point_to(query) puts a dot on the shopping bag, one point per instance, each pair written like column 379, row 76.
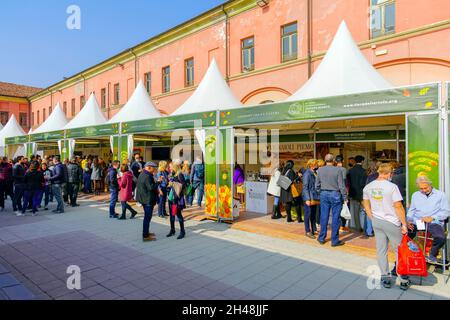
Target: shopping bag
column 284, row 182
column 345, row 212
column 411, row 260
column 236, row 208
column 296, row 190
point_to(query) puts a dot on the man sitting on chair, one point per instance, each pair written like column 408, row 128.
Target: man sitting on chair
column 432, row 207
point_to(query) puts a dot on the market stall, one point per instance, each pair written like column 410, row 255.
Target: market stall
column 13, row 141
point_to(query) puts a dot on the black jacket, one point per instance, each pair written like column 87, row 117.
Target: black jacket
column 147, row 187
column 112, row 178
column 286, row 195
column 34, row 181
column 399, row 179
column 18, row 174
column 58, row 175
column 357, row 178
column 75, row 173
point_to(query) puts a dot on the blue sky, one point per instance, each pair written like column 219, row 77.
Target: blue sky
column 37, row 49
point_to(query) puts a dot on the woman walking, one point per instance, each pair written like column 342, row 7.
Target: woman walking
column 163, row 177
column 96, row 176
column 275, row 190
column 186, row 170
column 309, row 195
column 126, row 191
column 177, row 202
column 34, row 184
column 286, row 195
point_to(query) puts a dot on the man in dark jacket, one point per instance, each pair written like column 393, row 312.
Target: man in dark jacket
column 5, row 182
column 147, row 189
column 75, row 174
column 113, row 188
column 19, row 184
column 137, row 166
column 34, row 185
column 65, row 185
column 58, row 179
column 399, row 179
column 197, row 179
column 357, row 177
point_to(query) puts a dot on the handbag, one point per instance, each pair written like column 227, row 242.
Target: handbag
column 345, row 212
column 411, row 260
column 284, row 182
column 171, row 197
column 296, row 190
column 240, row 189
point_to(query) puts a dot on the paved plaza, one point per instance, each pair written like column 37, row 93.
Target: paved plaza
column 214, row 262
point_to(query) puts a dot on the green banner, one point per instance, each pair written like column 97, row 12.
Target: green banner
column 65, row 150
column 47, row 136
column 210, row 173
column 357, row 136
column 423, row 149
column 17, row 140
column 226, row 174
column 123, row 149
column 188, row 121
column 400, row 100
column 94, row 131
column 115, row 147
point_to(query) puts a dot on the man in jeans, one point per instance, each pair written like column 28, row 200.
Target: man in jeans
column 331, row 188
column 58, row 179
column 19, row 184
column 383, row 204
column 147, row 193
column 113, row 188
column 75, row 174
column 198, row 180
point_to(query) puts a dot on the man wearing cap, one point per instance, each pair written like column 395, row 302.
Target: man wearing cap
column 113, row 188
column 57, row 179
column 147, row 189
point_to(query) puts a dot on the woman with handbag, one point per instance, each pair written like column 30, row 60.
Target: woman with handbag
column 297, row 188
column 177, row 202
column 187, row 175
column 309, row 195
column 275, row 190
column 126, row 191
column 162, row 188
column 287, row 176
column 96, row 176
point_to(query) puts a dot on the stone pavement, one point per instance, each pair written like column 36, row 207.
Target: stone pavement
column 213, row 262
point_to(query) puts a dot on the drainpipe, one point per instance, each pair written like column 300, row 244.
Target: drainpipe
column 135, row 67
column 227, row 47
column 309, row 27
column 108, row 107
column 84, row 86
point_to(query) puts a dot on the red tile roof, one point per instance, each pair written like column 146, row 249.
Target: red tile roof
column 17, row 90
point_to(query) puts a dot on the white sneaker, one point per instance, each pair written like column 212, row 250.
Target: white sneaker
column 34, row 214
column 19, row 214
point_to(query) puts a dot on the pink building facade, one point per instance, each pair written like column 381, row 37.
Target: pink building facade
column 266, row 50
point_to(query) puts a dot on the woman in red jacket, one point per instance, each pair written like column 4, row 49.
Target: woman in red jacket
column 126, row 191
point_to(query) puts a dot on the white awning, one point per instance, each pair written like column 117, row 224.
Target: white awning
column 11, row 129
column 57, row 120
column 213, row 93
column 343, row 70
column 138, row 107
column 90, row 115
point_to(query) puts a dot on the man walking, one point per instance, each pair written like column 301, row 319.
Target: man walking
column 331, row 188
column 58, row 179
column 383, row 204
column 198, row 179
column 146, row 195
column 75, row 174
column 113, row 184
column 19, row 184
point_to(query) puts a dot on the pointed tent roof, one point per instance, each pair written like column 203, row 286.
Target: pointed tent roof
column 212, row 93
column 11, row 129
column 90, row 115
column 31, row 131
column 56, row 121
column 138, row 107
column 343, row 70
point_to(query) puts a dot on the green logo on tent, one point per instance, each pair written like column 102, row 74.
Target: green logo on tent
column 297, row 109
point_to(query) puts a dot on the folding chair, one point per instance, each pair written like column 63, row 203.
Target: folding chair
column 444, row 254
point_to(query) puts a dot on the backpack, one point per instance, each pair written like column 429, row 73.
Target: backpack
column 199, row 171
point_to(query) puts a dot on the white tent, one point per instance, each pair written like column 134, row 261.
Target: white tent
column 343, row 70
column 90, row 115
column 31, row 131
column 212, row 93
column 138, row 107
column 56, row 121
column 11, row 129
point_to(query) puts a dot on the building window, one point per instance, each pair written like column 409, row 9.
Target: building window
column 189, row 72
column 166, row 79
column 116, row 94
column 289, row 42
column 382, row 17
column 72, row 107
column 44, row 114
column 248, row 54
column 38, row 117
column 23, row 119
column 148, row 82
column 65, row 107
column 4, row 117
column 82, row 102
column 103, row 98
column 32, row 119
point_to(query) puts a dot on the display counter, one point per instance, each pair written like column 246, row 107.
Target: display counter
column 256, row 198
